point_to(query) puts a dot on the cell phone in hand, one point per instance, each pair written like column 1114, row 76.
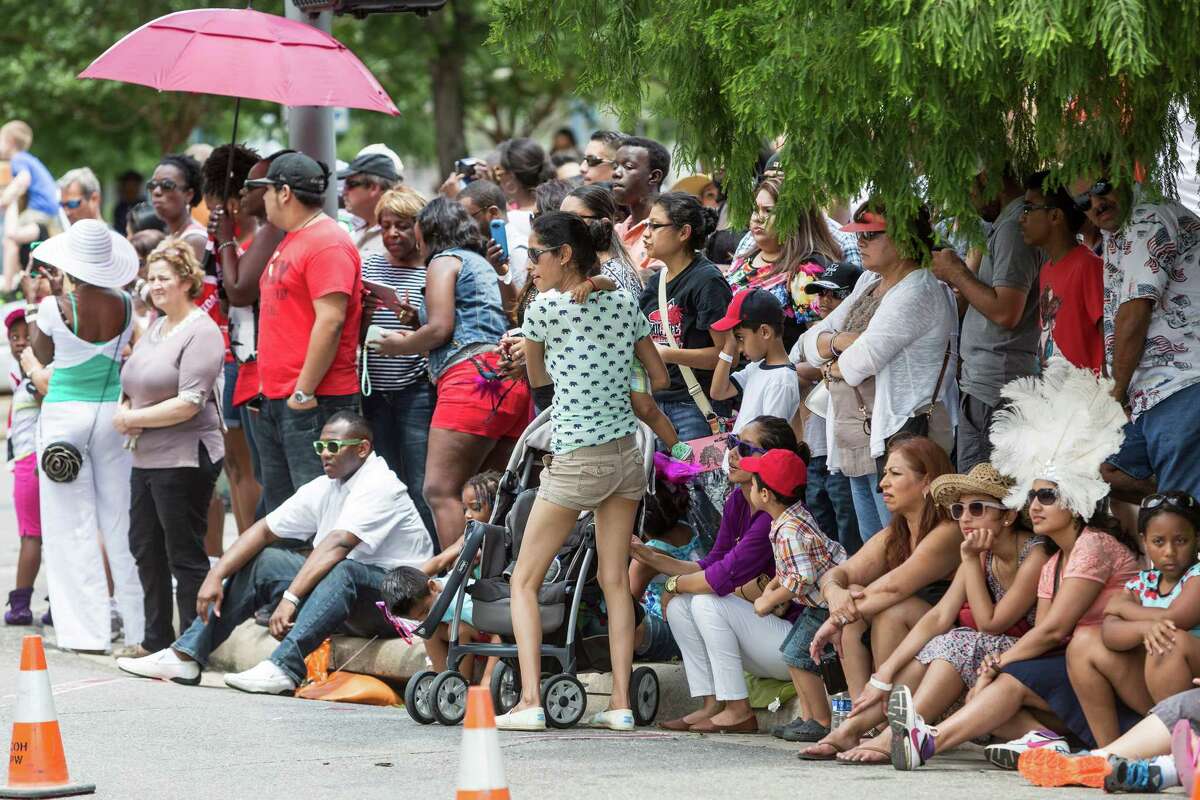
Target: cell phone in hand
column 381, row 291
column 500, row 236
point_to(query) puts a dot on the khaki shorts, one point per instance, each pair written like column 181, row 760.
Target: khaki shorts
column 583, row 479
column 32, row 217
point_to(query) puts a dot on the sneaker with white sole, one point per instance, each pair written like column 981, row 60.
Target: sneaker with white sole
column 165, row 665
column 529, row 719
column 912, row 739
column 620, row 719
column 265, row 677
column 1008, row 754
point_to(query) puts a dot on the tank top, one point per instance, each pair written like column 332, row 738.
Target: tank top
column 84, row 371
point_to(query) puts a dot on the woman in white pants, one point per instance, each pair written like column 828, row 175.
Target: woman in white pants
column 719, row 635
column 83, row 329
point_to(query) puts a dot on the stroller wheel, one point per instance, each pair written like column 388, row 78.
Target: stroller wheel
column 643, row 690
column 416, row 697
column 448, row 698
column 564, row 699
column 505, row 687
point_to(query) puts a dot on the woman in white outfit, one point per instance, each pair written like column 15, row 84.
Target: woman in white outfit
column 83, row 330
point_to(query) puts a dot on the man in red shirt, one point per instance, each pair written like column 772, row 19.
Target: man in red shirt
column 1071, row 281
column 309, row 314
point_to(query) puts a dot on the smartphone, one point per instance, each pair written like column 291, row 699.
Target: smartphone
column 500, row 236
column 380, row 290
column 466, row 168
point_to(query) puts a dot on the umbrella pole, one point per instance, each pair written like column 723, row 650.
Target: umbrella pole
column 237, row 110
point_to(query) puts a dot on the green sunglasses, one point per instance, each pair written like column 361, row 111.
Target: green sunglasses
column 334, row 445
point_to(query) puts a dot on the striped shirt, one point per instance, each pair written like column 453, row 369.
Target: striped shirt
column 392, row 373
column 803, row 554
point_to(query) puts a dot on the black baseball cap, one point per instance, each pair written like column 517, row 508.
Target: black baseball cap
column 296, row 170
column 749, row 309
column 838, row 276
column 377, row 164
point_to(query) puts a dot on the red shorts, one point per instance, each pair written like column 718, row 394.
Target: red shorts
column 467, row 403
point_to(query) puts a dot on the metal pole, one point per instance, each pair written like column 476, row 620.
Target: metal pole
column 310, row 129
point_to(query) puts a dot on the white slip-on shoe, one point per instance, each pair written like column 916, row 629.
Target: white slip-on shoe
column 265, row 677
column 530, row 719
column 619, row 719
column 164, row 664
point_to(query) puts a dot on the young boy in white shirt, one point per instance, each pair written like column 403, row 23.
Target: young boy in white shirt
column 768, row 384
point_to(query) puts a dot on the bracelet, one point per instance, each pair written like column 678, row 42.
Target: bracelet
column 833, row 347
column 728, row 359
column 223, row 245
column 880, row 685
column 291, row 598
column 592, row 283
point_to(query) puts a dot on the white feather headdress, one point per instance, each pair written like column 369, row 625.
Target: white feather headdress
column 1058, row 427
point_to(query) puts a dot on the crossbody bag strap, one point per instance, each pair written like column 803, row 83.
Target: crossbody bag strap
column 937, row 388
column 689, row 377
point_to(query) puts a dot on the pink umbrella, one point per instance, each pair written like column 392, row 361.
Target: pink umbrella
column 242, row 53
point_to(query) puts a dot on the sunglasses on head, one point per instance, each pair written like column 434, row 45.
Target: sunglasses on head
column 975, row 508
column 166, row 184
column 595, row 161
column 334, row 445
column 1100, row 188
column 71, row 205
column 1046, row 497
column 744, row 449
column 1185, row 502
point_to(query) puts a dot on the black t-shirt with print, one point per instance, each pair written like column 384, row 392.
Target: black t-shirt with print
column 696, row 298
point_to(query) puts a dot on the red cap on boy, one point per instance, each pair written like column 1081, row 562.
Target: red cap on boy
column 782, row 471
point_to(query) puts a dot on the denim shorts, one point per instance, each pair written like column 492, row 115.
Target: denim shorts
column 233, row 417
column 658, row 644
column 584, row 478
column 796, row 643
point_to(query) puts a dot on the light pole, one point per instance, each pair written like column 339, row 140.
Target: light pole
column 310, row 128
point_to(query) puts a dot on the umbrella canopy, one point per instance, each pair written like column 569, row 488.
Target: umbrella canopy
column 242, row 53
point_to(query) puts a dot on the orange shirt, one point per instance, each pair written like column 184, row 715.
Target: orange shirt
column 631, row 236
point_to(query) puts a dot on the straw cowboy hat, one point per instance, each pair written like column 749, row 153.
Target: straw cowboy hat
column 92, row 253
column 982, row 479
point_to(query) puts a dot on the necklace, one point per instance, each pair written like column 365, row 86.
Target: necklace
column 166, row 330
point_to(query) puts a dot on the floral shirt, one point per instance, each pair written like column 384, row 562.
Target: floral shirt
column 798, row 306
column 1154, row 256
column 1145, row 587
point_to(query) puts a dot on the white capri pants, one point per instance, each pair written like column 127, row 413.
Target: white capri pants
column 721, row 638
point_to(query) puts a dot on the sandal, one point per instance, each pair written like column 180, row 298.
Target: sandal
column 886, row 757
column 807, row 755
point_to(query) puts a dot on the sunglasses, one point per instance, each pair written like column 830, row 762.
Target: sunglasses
column 355, row 184
column 71, row 205
column 1100, row 188
column 1029, row 208
column 398, row 625
column 535, row 253
column 166, row 184
column 744, row 449
column 975, row 508
column 869, row 236
column 334, row 446
column 1186, row 502
column 595, row 161
column 1046, row 497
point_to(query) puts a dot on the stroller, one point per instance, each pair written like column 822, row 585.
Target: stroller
column 574, row 636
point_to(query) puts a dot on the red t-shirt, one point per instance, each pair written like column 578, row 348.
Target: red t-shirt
column 1072, row 305
column 309, row 263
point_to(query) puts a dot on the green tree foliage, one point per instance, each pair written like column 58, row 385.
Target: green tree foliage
column 902, row 96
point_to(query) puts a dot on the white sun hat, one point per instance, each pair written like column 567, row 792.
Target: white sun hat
column 90, row 252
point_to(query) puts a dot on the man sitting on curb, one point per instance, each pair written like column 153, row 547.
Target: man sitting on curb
column 365, row 524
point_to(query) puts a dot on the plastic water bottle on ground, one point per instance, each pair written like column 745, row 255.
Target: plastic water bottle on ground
column 840, row 705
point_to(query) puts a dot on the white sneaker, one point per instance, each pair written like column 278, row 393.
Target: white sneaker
column 1006, row 755
column 620, row 719
column 164, row 664
column 912, row 738
column 531, row 719
column 265, row 677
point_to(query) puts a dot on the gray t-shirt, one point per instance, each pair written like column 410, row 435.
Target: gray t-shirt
column 993, row 355
column 187, row 363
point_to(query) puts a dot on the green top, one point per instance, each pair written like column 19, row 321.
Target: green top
column 85, row 382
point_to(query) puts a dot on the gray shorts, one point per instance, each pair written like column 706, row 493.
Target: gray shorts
column 584, row 478
column 1185, row 705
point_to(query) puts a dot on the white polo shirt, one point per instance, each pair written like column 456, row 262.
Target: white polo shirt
column 372, row 504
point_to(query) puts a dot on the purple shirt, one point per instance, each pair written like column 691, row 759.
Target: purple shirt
column 742, row 550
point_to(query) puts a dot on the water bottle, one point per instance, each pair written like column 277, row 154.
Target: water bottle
column 840, row 705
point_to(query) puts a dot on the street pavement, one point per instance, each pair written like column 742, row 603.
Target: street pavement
column 136, row 738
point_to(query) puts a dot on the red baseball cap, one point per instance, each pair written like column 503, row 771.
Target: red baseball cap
column 751, row 307
column 14, row 316
column 870, row 221
column 781, row 470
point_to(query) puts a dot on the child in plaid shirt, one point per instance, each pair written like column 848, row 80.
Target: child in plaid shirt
column 802, row 555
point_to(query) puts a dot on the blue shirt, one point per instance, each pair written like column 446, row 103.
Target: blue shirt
column 42, row 194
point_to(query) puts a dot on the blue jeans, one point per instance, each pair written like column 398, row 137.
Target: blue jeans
column 249, row 425
column 1162, row 442
column 284, row 438
column 828, row 498
column 868, row 506
column 263, row 581
column 688, row 421
column 400, row 422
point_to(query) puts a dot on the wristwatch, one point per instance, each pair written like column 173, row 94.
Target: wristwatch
column 301, row 396
column 672, row 584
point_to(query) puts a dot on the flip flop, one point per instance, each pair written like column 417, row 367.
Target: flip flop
column 887, row 757
column 803, row 756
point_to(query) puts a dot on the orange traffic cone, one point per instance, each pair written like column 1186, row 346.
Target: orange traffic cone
column 37, row 765
column 480, row 773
